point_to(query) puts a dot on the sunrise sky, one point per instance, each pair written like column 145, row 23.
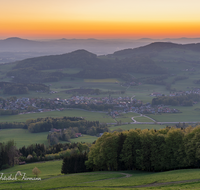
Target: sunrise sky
column 40, row 19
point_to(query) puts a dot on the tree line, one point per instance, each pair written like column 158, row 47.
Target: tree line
column 83, row 126
column 148, row 150
column 41, row 152
column 21, row 88
column 10, row 155
column 14, row 125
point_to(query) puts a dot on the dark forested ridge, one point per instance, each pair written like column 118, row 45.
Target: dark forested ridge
column 79, row 59
column 21, row 88
column 147, row 59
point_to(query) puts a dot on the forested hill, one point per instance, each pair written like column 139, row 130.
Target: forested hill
column 156, row 47
column 76, row 59
column 156, row 58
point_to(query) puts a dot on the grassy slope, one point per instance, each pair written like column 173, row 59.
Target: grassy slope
column 52, row 178
column 22, row 137
column 84, row 138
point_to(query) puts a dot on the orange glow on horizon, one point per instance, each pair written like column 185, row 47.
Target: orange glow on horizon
column 100, row 18
column 100, row 29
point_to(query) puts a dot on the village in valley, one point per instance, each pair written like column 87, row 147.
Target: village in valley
column 119, row 105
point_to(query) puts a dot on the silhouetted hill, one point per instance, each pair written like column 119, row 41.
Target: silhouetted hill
column 78, row 59
column 156, row 47
column 15, row 42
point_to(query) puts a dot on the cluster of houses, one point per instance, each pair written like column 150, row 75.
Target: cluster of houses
column 121, row 104
column 138, row 107
column 156, row 94
column 192, row 91
column 18, row 104
column 54, row 130
column 181, row 93
column 149, row 109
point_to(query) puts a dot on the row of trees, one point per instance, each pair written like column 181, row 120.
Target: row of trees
column 21, row 88
column 184, row 100
column 10, row 155
column 9, row 112
column 148, row 150
column 14, row 125
column 39, row 152
column 82, row 126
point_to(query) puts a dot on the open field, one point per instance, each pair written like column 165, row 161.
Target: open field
column 123, row 119
column 51, row 178
column 129, row 114
column 88, row 115
column 22, row 137
column 126, row 117
column 143, row 119
column 84, row 138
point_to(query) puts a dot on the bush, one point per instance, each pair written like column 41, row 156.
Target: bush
column 5, row 166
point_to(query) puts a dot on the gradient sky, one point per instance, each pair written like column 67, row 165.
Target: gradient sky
column 99, row 18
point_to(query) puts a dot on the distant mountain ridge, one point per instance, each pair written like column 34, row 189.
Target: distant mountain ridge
column 15, row 48
column 157, row 47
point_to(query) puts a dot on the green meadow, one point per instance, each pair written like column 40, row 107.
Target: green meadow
column 22, row 137
column 51, row 178
column 143, row 119
column 126, row 117
column 84, row 138
column 88, row 115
